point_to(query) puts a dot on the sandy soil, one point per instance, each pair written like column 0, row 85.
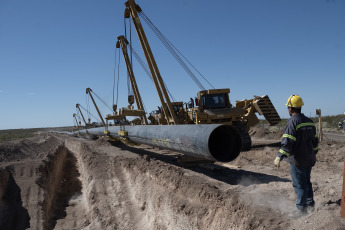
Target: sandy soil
column 56, row 181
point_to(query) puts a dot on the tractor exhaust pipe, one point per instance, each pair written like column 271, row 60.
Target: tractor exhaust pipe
column 214, row 142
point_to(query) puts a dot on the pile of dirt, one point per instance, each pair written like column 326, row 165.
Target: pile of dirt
column 265, row 133
column 20, row 149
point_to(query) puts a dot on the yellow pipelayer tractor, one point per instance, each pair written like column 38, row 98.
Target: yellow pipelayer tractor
column 214, row 107
column 211, row 106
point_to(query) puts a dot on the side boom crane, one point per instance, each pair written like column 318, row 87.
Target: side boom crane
column 76, row 120
column 122, row 42
column 132, row 10
column 88, row 91
column 86, row 124
column 77, row 106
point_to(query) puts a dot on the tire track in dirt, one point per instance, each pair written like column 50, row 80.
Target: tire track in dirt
column 113, row 190
column 129, row 213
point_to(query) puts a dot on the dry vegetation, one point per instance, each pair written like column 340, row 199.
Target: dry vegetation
column 329, row 123
column 14, row 134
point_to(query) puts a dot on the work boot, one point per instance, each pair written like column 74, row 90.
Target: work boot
column 299, row 212
column 311, row 207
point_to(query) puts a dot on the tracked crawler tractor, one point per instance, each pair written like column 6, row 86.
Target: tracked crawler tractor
column 214, row 107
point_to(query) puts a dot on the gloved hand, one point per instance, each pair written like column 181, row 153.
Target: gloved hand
column 338, row 129
column 277, row 161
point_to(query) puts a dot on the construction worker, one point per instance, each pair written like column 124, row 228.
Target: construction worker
column 299, row 147
column 341, row 125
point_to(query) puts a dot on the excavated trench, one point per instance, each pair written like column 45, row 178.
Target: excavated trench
column 58, row 177
column 12, row 213
column 89, row 184
column 128, row 188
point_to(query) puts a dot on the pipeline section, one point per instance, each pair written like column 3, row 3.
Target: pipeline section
column 215, row 142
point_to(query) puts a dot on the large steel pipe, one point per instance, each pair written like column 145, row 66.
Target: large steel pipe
column 212, row 141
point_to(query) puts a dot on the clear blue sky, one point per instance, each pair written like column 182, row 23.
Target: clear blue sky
column 51, row 51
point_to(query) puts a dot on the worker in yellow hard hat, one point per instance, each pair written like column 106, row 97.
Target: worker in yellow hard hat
column 299, row 146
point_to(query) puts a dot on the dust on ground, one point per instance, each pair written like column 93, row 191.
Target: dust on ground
column 56, row 181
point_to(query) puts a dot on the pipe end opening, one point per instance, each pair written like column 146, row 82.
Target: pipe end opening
column 225, row 143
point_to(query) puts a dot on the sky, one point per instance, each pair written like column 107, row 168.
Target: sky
column 51, row 51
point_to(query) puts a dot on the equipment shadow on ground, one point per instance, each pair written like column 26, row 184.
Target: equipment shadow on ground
column 212, row 170
column 275, row 144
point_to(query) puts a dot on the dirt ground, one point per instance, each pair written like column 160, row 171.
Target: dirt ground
column 57, row 181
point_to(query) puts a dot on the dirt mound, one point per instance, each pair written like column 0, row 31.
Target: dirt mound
column 102, row 141
column 23, row 148
column 265, row 133
column 10, row 152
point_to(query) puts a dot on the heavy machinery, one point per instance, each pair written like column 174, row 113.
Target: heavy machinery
column 82, row 115
column 129, row 111
column 89, row 91
column 167, row 107
column 181, row 115
column 78, row 124
column 212, row 106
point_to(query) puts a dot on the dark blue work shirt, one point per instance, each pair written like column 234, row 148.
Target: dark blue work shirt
column 300, row 142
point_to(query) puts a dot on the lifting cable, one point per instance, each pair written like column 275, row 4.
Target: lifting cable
column 141, row 62
column 129, row 86
column 77, row 115
column 130, row 90
column 114, row 79
column 146, row 69
column 118, row 79
column 89, row 113
column 99, row 98
column 173, row 50
column 88, row 106
column 74, row 122
column 175, row 55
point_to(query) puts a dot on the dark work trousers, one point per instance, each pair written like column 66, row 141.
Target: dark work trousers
column 302, row 185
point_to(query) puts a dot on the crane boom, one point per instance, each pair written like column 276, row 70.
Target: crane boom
column 122, row 42
column 88, row 91
column 132, row 10
column 76, row 120
column 77, row 106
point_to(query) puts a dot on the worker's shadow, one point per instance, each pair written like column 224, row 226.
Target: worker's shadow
column 218, row 172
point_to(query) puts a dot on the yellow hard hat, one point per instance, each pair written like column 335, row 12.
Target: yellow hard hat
column 294, row 101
